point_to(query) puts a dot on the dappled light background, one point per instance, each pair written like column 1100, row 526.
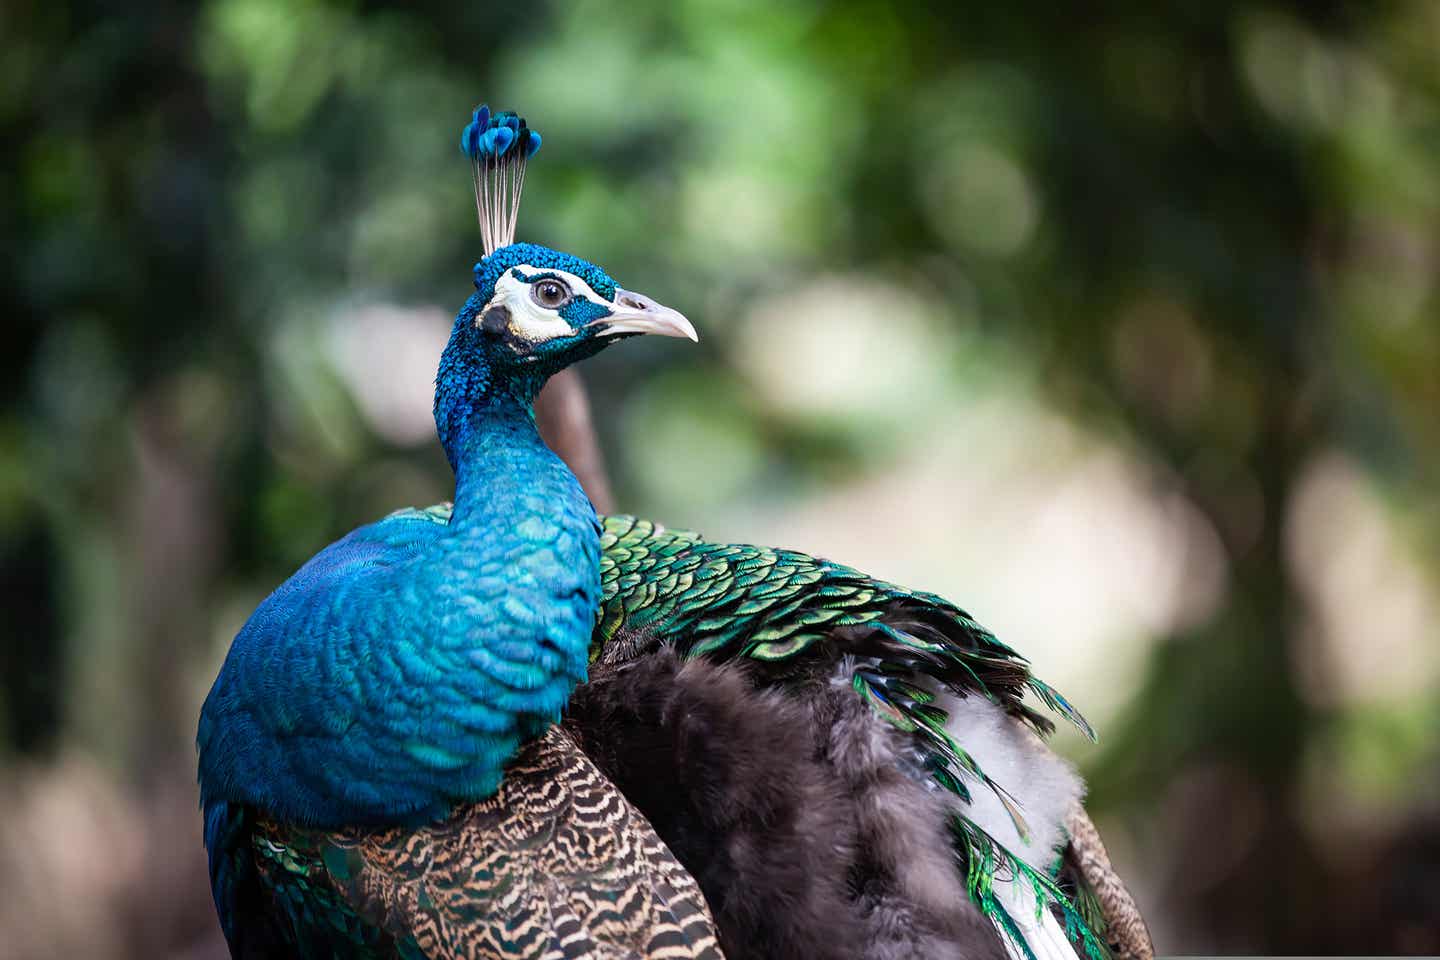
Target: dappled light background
column 1119, row 328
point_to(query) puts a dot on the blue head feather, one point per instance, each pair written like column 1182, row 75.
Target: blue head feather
column 470, row 136
column 489, row 270
column 471, row 359
column 498, row 145
column 490, row 136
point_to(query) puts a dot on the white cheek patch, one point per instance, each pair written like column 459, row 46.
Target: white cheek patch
column 528, row 320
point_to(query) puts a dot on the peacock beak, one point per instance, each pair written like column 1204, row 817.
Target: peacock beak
column 637, row 313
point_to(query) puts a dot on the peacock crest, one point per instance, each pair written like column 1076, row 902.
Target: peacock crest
column 499, row 146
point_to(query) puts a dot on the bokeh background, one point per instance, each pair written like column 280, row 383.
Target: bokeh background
column 1117, row 324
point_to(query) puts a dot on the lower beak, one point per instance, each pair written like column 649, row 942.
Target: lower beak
column 637, row 313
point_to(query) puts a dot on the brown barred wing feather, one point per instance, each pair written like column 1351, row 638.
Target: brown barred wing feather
column 556, row 865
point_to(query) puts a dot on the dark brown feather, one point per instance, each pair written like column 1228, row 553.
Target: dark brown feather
column 791, row 809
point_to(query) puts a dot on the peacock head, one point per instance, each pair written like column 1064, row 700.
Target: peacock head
column 535, row 310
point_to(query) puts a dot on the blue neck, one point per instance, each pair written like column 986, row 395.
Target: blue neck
column 486, row 424
column 495, row 610
column 476, row 405
column 491, row 452
column 522, row 551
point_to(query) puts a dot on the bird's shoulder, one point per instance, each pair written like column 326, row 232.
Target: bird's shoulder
column 375, row 547
column 355, row 567
column 343, row 593
column 325, row 709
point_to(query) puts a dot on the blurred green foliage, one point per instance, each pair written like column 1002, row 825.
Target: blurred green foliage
column 1206, row 234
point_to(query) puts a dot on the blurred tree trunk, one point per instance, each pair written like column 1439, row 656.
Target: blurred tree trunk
column 563, row 414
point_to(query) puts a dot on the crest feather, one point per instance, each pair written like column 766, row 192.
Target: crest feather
column 498, row 145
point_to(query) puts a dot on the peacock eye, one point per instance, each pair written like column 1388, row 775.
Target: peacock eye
column 550, row 294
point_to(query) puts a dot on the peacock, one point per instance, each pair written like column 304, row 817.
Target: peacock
column 506, row 727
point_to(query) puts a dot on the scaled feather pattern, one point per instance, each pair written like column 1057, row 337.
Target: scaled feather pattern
column 556, row 864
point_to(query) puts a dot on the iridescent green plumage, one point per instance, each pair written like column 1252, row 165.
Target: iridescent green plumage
column 737, row 600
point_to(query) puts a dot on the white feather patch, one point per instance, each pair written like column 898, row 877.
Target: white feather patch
column 529, row 320
column 1042, row 932
column 1043, row 785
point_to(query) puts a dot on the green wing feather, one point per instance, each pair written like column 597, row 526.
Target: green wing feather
column 776, row 606
column 558, row 864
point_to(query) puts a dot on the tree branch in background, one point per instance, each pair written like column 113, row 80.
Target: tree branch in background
column 562, row 412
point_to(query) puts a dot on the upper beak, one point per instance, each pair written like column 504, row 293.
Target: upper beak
column 637, row 313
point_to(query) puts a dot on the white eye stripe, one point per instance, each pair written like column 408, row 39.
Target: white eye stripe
column 578, row 287
column 528, row 319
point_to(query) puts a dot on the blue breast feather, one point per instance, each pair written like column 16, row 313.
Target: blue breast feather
column 395, row 673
